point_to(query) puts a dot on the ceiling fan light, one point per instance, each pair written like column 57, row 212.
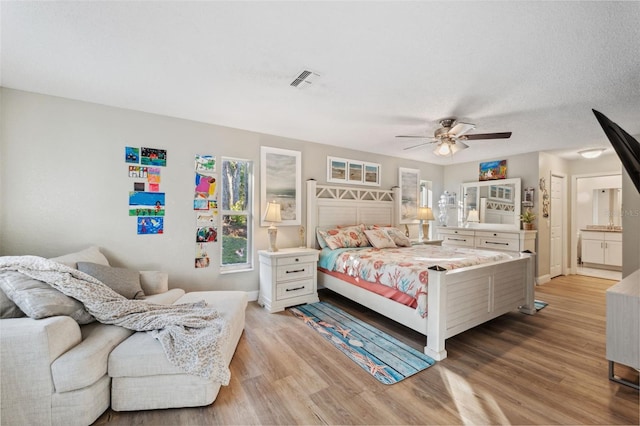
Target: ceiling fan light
column 591, row 153
column 443, row 149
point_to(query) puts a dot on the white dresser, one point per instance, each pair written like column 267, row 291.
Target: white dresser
column 486, row 238
column 288, row 277
column 623, row 325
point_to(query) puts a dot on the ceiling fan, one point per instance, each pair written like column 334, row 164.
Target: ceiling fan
column 450, row 135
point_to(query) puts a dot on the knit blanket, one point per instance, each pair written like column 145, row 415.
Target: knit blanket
column 192, row 335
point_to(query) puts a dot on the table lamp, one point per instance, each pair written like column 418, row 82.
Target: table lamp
column 272, row 215
column 425, row 215
column 472, row 217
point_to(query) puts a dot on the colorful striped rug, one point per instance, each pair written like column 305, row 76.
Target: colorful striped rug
column 539, row 304
column 384, row 357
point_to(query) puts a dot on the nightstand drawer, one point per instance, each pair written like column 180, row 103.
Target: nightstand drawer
column 294, row 260
column 457, row 240
column 294, row 271
column 294, row 289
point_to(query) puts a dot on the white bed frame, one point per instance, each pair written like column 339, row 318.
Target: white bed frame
column 458, row 300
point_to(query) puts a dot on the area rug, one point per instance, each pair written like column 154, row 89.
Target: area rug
column 381, row 355
column 540, row 304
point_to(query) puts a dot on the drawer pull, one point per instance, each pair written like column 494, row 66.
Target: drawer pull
column 493, row 242
column 457, row 239
column 294, row 289
column 295, row 271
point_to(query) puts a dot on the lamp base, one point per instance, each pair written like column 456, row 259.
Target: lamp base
column 273, row 233
column 425, row 232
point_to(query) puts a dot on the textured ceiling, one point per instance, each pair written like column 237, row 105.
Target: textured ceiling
column 387, row 68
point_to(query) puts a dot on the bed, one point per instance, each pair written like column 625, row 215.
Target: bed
column 457, row 299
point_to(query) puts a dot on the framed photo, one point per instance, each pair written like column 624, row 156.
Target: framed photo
column 337, row 170
column 371, row 174
column 492, row 170
column 355, row 172
column 280, row 181
column 409, row 192
column 342, row 170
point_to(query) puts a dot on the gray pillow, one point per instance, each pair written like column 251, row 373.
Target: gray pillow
column 39, row 300
column 125, row 282
column 8, row 309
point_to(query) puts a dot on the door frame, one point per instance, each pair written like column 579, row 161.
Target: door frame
column 564, row 270
column 574, row 227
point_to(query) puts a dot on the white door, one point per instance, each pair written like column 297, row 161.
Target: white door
column 557, row 213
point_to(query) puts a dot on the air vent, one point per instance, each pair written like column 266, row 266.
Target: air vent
column 304, row 78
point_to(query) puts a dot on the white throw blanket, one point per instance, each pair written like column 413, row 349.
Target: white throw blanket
column 192, row 335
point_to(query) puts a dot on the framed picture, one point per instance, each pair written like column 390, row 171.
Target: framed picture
column 280, row 181
column 409, row 191
column 492, row 170
column 355, row 172
column 337, row 170
column 371, row 174
column 342, row 170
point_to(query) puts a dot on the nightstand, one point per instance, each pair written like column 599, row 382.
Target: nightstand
column 288, row 277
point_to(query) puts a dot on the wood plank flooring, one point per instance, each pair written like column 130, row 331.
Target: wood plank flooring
column 549, row 368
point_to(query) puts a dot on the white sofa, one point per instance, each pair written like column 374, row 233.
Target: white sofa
column 56, row 372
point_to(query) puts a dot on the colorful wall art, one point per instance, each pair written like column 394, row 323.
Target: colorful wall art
column 153, row 157
column 493, row 170
column 205, row 201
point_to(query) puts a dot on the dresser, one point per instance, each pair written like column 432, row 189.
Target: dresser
column 623, row 325
column 489, row 239
column 288, row 277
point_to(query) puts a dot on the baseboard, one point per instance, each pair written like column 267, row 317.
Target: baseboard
column 543, row 279
column 253, row 295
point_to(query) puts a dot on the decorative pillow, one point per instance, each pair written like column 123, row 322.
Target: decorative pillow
column 321, row 242
column 8, row 309
column 91, row 254
column 39, row 300
column 349, row 237
column 125, row 282
column 379, row 238
column 398, row 237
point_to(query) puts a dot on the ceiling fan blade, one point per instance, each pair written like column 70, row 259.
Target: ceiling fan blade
column 415, row 136
column 461, row 145
column 460, row 129
column 416, row 146
column 502, row 135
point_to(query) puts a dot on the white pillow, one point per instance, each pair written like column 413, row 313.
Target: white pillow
column 91, row 254
column 379, row 238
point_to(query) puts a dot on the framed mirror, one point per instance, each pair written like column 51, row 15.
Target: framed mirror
column 496, row 202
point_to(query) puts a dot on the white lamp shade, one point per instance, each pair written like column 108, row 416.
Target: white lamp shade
column 273, row 213
column 473, row 216
column 425, row 213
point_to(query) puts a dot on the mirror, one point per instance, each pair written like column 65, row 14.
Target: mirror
column 497, row 203
column 607, row 206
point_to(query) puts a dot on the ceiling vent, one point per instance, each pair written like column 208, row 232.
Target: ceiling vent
column 304, row 78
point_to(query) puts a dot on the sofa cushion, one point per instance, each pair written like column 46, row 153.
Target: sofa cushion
column 125, row 282
column 141, row 355
column 86, row 363
column 8, row 309
column 154, row 282
column 39, row 300
column 91, row 254
column 166, row 298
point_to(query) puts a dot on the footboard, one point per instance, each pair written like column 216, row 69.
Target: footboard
column 461, row 299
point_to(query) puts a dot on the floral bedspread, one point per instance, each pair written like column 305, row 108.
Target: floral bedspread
column 404, row 268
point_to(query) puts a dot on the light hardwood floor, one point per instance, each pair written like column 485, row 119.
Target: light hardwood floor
column 549, row 368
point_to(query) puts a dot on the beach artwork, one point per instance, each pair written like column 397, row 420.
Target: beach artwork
column 150, row 225
column 409, row 184
column 280, row 183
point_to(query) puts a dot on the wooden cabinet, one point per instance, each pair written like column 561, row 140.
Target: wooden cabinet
column 602, row 248
column 488, row 239
column 288, row 277
column 623, row 325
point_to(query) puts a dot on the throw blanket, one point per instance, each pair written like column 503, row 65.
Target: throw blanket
column 192, row 335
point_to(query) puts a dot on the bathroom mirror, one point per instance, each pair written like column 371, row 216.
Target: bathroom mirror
column 607, row 206
column 497, row 203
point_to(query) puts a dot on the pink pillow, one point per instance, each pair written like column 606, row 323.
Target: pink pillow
column 350, row 237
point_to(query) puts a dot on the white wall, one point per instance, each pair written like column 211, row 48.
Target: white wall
column 64, row 183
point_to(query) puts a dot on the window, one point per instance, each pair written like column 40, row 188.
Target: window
column 237, row 221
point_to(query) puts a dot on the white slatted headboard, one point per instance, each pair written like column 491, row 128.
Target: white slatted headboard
column 335, row 205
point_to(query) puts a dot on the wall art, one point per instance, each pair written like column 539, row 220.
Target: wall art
column 342, row 170
column 492, row 170
column 409, row 182
column 280, row 181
